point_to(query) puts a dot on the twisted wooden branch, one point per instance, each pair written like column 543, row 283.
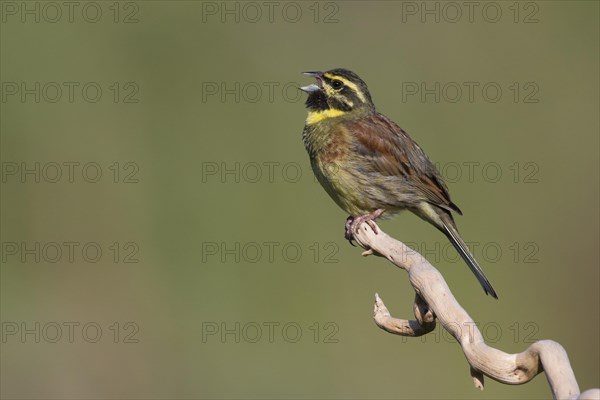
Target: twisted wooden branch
column 435, row 300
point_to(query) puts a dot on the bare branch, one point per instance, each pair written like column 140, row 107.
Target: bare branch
column 435, row 300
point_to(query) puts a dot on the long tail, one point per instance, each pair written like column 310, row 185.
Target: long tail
column 464, row 252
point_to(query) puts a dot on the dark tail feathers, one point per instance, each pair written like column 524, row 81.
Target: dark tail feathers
column 464, row 252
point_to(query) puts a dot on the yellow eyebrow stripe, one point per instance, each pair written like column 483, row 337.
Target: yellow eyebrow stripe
column 351, row 85
column 317, row 116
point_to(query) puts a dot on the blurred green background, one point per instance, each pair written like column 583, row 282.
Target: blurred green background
column 243, row 285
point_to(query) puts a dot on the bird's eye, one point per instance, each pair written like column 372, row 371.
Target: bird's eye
column 337, row 84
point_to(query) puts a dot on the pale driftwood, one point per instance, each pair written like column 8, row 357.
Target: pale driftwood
column 435, row 300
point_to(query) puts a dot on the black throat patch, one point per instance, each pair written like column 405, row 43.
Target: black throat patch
column 318, row 101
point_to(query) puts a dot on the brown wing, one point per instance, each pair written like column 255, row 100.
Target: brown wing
column 392, row 152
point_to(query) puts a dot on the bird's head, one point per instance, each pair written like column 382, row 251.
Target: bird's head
column 337, row 92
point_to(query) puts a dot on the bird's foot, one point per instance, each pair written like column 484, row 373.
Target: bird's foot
column 352, row 223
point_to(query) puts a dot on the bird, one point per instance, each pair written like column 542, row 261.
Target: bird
column 370, row 166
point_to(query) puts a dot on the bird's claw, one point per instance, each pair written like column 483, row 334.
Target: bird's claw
column 352, row 224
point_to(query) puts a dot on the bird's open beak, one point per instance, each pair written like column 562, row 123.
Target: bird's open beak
column 313, row 87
